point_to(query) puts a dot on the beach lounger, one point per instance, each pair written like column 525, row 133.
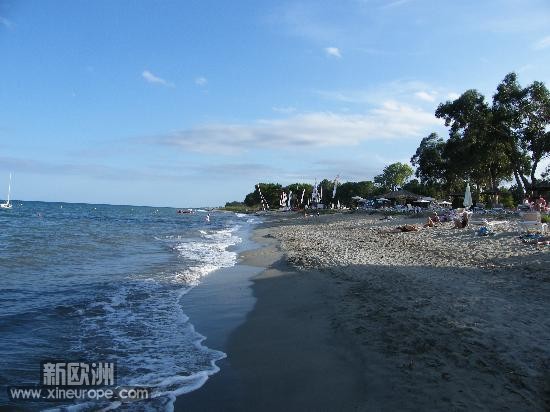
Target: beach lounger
column 532, row 223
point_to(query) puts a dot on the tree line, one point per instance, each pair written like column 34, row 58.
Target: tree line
column 392, row 177
column 489, row 143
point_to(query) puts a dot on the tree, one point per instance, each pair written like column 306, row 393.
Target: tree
column 522, row 122
column 473, row 151
column 428, row 160
column 394, row 176
column 327, row 187
column 297, row 191
column 270, row 191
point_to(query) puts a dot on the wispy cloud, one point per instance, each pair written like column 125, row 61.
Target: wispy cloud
column 426, row 96
column 520, row 19
column 541, row 44
column 393, row 4
column 5, row 22
column 284, row 110
column 151, row 78
column 201, row 81
column 96, row 171
column 333, row 52
column 306, row 20
column 400, row 90
column 391, row 120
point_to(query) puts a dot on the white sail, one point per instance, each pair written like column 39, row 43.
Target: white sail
column 7, row 205
column 315, row 194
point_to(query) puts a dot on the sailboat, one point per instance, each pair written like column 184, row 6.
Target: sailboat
column 7, row 205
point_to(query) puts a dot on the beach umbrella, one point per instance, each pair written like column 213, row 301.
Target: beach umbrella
column 467, row 197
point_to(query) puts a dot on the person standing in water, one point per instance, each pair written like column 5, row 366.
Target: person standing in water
column 208, row 218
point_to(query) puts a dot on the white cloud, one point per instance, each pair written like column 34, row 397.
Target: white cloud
column 333, row 52
column 453, row 96
column 151, row 78
column 426, row 96
column 542, row 43
column 201, row 81
column 391, row 120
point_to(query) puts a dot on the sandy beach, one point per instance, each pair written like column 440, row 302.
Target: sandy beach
column 351, row 317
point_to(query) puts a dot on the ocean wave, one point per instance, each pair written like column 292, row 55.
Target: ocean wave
column 141, row 324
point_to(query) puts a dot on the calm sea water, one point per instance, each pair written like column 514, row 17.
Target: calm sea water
column 104, row 283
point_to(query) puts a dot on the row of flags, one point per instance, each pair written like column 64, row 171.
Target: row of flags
column 265, row 205
column 316, row 195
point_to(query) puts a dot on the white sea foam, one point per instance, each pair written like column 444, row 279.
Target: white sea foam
column 141, row 324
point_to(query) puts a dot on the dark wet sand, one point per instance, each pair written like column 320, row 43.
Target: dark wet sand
column 287, row 355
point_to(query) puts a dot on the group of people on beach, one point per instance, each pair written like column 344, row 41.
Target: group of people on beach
column 460, row 222
column 537, row 205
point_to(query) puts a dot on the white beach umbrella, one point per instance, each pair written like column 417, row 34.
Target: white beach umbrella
column 467, row 197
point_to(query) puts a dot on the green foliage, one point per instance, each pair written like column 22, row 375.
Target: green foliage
column 545, row 219
column 428, row 160
column 489, row 142
column 522, row 122
column 344, row 193
column 507, row 199
column 234, row 204
column 236, row 207
column 473, row 152
column 271, row 193
column 363, row 189
column 394, row 176
column 432, row 190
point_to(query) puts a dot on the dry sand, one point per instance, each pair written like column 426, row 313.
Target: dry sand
column 355, row 318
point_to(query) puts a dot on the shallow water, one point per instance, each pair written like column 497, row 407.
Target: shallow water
column 105, row 283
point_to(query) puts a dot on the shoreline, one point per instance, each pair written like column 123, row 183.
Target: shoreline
column 355, row 318
column 285, row 355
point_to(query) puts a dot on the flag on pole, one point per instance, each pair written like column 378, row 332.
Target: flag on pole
column 335, row 184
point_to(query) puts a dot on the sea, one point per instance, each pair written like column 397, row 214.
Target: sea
column 104, row 283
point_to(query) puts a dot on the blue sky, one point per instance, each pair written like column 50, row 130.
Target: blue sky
column 190, row 103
